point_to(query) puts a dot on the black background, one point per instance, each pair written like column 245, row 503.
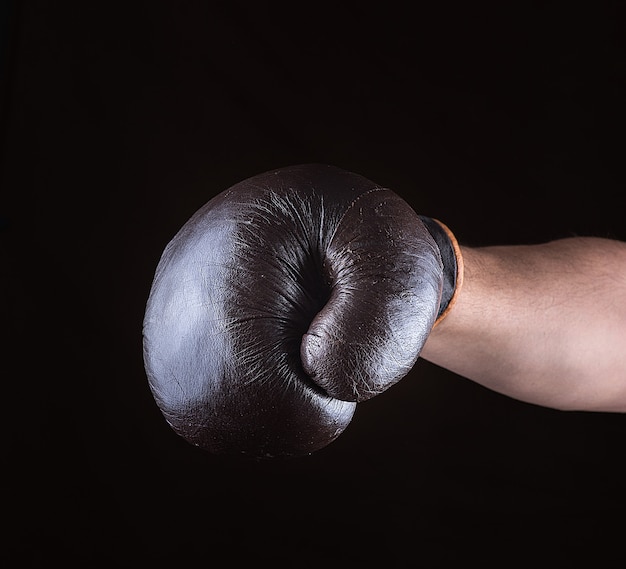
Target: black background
column 120, row 120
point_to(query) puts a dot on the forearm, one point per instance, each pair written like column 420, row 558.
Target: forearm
column 541, row 323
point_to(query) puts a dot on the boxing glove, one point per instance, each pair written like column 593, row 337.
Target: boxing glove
column 286, row 300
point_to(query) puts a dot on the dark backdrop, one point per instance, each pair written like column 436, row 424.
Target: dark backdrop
column 121, row 119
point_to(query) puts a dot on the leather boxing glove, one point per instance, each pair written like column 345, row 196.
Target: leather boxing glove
column 286, row 300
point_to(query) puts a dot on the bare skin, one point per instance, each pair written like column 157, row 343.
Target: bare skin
column 544, row 323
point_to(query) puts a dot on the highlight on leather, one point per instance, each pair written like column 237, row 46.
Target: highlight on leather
column 282, row 303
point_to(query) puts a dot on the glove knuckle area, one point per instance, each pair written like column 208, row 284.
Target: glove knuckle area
column 221, row 354
column 234, row 291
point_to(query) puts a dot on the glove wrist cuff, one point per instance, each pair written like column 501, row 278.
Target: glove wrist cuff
column 452, row 264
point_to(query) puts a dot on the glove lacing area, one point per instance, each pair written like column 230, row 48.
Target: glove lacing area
column 452, row 259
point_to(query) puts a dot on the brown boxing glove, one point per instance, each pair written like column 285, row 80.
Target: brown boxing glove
column 286, row 300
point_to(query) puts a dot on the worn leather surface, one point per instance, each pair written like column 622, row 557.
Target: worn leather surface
column 282, row 303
